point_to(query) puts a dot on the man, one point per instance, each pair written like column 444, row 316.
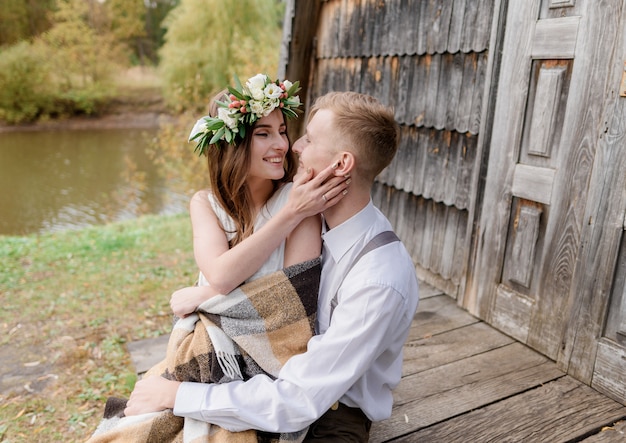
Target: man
column 344, row 380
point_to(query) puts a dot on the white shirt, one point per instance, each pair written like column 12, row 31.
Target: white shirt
column 356, row 359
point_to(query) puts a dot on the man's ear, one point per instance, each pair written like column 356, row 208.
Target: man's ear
column 346, row 164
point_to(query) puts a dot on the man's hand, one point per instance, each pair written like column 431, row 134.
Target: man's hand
column 152, row 394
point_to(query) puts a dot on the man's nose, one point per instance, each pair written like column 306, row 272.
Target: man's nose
column 297, row 146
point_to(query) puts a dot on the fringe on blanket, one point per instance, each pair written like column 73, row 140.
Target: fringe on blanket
column 254, row 329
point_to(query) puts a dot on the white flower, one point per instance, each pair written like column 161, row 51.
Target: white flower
column 199, row 128
column 287, row 84
column 256, row 85
column 225, row 115
column 256, row 107
column 273, row 91
column 269, row 106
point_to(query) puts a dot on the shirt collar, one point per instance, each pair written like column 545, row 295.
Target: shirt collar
column 341, row 238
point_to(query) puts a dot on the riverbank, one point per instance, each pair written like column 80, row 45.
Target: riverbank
column 138, row 104
column 71, row 300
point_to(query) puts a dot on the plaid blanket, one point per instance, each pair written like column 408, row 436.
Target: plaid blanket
column 252, row 330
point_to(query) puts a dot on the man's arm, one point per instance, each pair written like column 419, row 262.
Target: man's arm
column 309, row 383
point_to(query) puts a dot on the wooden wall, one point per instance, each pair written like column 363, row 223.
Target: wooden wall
column 430, row 61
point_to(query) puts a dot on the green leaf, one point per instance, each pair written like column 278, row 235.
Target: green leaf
column 294, row 88
column 238, row 83
column 200, row 147
column 289, row 113
column 236, row 93
column 218, row 135
column 214, row 124
column 196, row 136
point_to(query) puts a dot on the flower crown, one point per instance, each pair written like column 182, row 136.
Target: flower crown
column 243, row 106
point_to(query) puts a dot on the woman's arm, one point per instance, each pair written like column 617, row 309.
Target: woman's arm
column 304, row 242
column 225, row 268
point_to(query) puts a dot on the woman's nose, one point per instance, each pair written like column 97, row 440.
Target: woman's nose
column 282, row 144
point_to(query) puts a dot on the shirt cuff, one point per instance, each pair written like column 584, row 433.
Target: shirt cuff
column 190, row 399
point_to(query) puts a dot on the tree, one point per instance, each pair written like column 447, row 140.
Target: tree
column 23, row 19
column 84, row 50
column 157, row 10
column 14, row 21
column 86, row 54
column 207, row 41
column 26, row 93
column 128, row 24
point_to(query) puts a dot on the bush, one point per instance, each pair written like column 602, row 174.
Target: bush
column 25, row 93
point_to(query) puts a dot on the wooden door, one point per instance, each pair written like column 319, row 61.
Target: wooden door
column 594, row 348
column 557, row 57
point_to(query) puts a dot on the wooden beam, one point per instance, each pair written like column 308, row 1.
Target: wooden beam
column 298, row 50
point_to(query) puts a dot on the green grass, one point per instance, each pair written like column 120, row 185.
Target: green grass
column 70, row 302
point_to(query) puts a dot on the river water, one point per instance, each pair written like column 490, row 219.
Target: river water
column 55, row 180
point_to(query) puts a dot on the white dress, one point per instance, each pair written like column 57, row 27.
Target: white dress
column 277, row 258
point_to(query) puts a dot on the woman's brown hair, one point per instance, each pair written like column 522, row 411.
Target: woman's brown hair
column 228, row 169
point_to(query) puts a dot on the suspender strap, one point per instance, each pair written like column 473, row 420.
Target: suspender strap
column 379, row 240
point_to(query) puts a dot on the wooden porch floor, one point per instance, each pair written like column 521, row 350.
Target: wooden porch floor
column 463, row 381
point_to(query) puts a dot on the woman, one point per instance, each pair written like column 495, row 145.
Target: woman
column 250, row 170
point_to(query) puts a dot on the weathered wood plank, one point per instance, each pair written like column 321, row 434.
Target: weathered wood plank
column 545, row 110
column 533, row 183
column 507, row 130
column 447, row 391
column 457, row 21
column 560, row 411
column 147, row 352
column 520, row 259
column 614, row 433
column 512, row 313
column 555, row 38
column 609, row 374
column 427, row 291
column 450, row 246
column 466, row 152
column 616, row 320
column 475, row 369
column 449, row 346
column 296, row 53
column 436, row 315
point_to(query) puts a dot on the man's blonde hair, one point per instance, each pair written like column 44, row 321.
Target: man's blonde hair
column 367, row 127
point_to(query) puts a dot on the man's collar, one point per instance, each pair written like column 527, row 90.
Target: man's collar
column 341, row 238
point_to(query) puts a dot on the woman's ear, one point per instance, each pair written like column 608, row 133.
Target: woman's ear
column 346, row 164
